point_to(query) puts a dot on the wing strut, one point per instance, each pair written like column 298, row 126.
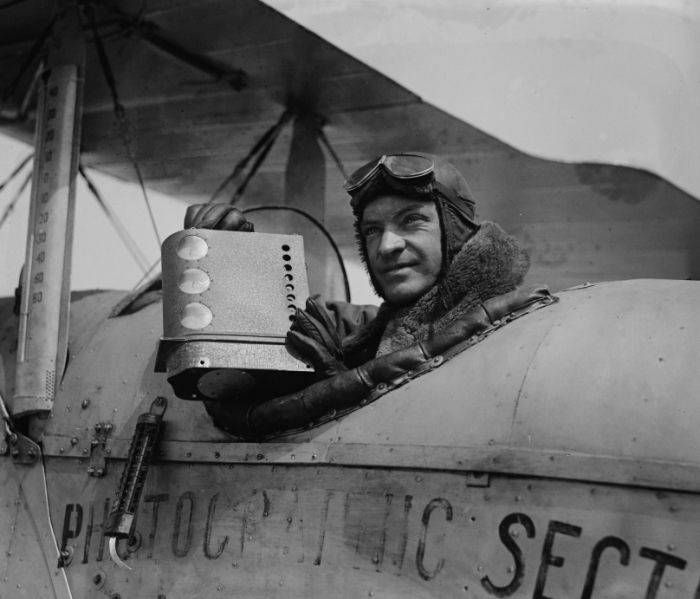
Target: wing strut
column 44, row 309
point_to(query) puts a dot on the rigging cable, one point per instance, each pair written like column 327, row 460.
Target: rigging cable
column 266, row 141
column 323, row 230
column 119, row 112
column 331, row 151
column 31, row 92
column 15, row 172
column 146, row 275
column 63, row 584
column 119, row 227
column 258, row 161
column 13, row 202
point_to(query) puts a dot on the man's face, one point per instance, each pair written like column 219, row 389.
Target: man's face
column 403, row 242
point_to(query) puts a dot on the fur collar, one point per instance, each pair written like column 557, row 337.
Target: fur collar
column 490, row 263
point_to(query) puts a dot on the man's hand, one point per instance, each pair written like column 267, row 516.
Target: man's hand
column 216, row 216
column 313, row 334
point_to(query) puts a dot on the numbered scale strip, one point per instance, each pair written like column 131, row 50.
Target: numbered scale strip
column 43, row 325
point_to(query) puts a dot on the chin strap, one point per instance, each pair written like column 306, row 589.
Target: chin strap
column 348, row 390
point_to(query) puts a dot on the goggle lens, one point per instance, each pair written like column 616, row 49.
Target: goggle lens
column 399, row 166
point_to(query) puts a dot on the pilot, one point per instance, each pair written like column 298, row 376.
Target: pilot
column 426, row 256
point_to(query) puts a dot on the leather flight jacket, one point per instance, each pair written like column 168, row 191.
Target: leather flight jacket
column 348, row 390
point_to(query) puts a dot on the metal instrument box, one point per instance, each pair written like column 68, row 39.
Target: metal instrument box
column 228, row 299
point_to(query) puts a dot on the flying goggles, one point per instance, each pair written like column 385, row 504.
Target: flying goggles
column 405, row 168
column 410, row 173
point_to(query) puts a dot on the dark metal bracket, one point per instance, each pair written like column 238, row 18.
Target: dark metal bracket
column 98, row 449
column 22, row 449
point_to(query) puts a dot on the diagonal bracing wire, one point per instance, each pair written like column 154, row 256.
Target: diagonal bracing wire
column 119, row 112
column 324, row 139
column 15, row 172
column 13, row 202
column 262, row 147
column 259, row 159
column 119, row 227
column 149, row 274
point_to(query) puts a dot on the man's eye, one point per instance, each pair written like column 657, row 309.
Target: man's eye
column 369, row 231
column 413, row 218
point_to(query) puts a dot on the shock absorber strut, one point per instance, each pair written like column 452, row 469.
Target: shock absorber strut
column 121, row 519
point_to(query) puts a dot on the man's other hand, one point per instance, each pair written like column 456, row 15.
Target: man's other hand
column 216, row 216
column 313, row 335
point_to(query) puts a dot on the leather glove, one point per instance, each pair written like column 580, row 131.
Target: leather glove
column 222, row 217
column 313, row 335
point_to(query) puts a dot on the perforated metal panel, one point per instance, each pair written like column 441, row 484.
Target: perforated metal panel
column 231, row 296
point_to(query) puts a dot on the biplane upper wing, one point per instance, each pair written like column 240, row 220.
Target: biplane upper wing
column 203, row 83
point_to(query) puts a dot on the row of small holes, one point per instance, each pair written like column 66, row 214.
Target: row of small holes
column 289, row 287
